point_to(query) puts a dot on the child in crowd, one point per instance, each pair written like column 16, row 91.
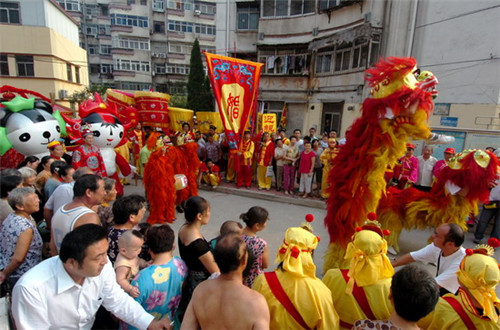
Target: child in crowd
column 128, row 212
column 228, row 227
column 143, row 228
column 255, row 220
column 210, row 173
column 128, row 262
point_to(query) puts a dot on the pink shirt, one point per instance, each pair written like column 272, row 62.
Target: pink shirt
column 306, row 162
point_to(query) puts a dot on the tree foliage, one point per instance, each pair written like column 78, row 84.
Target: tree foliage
column 80, row 96
column 195, row 86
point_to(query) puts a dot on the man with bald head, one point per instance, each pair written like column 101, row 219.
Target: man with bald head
column 224, row 302
column 445, row 251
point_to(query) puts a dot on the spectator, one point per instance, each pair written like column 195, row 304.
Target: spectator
column 213, row 149
column 300, row 143
column 29, row 176
column 255, row 220
column 20, row 241
column 54, row 180
column 406, row 169
column 332, row 134
column 446, row 252
column 7, row 184
column 491, row 209
column 312, row 134
column 202, row 152
column 88, row 192
column 30, row 161
column 185, row 135
column 264, row 161
column 193, row 248
column 426, row 165
column 128, row 212
column 228, row 227
column 105, row 210
column 56, row 150
column 62, row 195
column 65, row 291
column 279, row 154
column 324, row 141
column 292, row 155
column 66, row 174
column 160, row 284
column 362, row 290
column 212, row 130
column 128, row 261
column 318, row 167
column 306, row 169
column 476, row 305
column 43, row 172
column 295, row 277
column 440, row 164
column 414, row 294
column 327, row 160
column 225, row 303
column 282, row 135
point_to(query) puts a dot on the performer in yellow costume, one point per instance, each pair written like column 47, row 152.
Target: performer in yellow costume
column 295, row 276
column 362, row 291
column 326, row 159
column 476, row 306
column 265, row 159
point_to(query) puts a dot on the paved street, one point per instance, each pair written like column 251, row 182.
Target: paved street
column 228, row 206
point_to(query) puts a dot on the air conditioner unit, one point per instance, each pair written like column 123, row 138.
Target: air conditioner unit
column 89, row 17
column 63, row 93
column 151, row 31
column 162, row 55
column 197, row 12
column 153, row 54
column 261, row 36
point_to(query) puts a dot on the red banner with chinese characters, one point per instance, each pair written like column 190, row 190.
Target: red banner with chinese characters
column 235, row 84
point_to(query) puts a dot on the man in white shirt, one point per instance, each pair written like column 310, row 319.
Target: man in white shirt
column 62, row 195
column 300, row 143
column 426, row 165
column 64, row 292
column 446, row 252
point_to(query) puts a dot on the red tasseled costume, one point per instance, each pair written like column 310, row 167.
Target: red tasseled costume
column 160, row 185
column 369, row 148
column 191, row 163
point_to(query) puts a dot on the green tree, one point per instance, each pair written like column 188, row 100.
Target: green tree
column 208, row 95
column 80, row 96
column 195, row 89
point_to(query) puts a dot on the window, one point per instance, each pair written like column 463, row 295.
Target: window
column 25, row 66
column 179, row 26
column 204, row 29
column 286, row 61
column 94, row 68
column 135, row 86
column 131, row 43
column 323, row 63
column 92, row 10
column 160, row 69
column 179, row 48
column 104, row 29
column 275, row 8
column 129, row 20
column 248, row 17
column 106, row 68
column 299, row 7
column 104, row 10
column 70, row 5
column 77, row 74
column 205, row 8
column 9, row 12
column 129, row 65
column 159, row 5
column 144, row 2
column 158, row 27
column 92, row 29
column 69, row 72
column 4, row 65
column 325, row 4
column 105, row 50
column 178, row 69
column 93, row 49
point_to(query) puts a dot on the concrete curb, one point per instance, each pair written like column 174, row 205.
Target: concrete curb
column 318, row 204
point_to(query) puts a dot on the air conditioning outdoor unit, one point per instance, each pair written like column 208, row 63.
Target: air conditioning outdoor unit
column 153, row 54
column 197, row 12
column 63, row 93
column 89, row 17
column 261, row 36
column 162, row 55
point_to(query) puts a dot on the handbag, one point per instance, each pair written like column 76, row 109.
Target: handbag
column 269, row 172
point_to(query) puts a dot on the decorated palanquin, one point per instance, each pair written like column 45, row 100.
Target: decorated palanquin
column 207, row 119
column 125, row 105
column 153, row 109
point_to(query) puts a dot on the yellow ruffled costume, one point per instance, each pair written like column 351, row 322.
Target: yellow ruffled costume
column 309, row 295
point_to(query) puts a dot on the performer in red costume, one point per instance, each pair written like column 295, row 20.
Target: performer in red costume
column 89, row 155
column 245, row 155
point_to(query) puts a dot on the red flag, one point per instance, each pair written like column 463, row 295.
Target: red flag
column 283, row 117
column 235, row 84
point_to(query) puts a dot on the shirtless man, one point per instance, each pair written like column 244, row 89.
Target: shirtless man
column 225, row 303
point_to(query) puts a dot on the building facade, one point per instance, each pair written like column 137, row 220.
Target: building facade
column 315, row 54
column 142, row 44
column 39, row 49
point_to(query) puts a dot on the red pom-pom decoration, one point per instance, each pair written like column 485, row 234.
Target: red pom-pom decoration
column 469, row 252
column 309, row 217
column 319, row 238
column 387, row 232
column 358, row 229
column 283, row 250
column 372, row 216
column 295, row 252
column 493, row 242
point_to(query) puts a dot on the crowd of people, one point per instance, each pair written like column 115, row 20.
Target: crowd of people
column 74, row 254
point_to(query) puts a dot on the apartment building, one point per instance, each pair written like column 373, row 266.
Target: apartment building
column 39, row 49
column 315, row 53
column 141, row 44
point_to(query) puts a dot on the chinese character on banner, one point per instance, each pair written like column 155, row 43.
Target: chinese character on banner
column 235, row 84
column 269, row 122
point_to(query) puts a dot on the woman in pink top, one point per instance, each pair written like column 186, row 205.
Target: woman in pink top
column 306, row 169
